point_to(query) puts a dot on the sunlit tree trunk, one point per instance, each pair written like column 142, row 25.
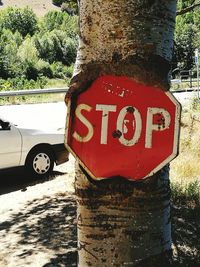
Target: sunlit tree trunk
column 123, row 223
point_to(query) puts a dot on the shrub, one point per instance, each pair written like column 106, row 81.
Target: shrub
column 27, row 52
column 20, row 83
column 55, row 20
column 9, row 62
column 44, row 68
column 69, row 71
column 69, row 51
column 57, row 69
column 28, row 56
column 47, row 46
column 17, row 19
column 56, row 46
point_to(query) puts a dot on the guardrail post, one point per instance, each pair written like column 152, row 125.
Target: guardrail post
column 190, row 77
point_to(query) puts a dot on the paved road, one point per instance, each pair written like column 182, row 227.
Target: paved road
column 52, row 115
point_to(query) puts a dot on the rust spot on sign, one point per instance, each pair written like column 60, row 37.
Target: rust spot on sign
column 161, row 121
column 116, row 134
column 130, row 109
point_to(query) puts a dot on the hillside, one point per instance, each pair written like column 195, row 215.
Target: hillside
column 40, row 7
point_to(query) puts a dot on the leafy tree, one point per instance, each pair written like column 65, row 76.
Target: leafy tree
column 56, row 46
column 28, row 55
column 60, row 21
column 17, row 19
column 186, row 35
column 53, row 20
column 184, row 43
column 9, row 61
column 44, row 68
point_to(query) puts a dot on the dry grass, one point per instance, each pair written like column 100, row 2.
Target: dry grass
column 185, row 169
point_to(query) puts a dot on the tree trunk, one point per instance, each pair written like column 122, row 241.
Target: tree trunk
column 123, row 223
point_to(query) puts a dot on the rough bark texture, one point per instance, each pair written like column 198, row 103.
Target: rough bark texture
column 122, row 223
column 130, row 37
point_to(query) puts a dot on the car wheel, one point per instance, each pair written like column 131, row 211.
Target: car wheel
column 40, row 162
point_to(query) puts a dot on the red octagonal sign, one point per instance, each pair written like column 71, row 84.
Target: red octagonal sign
column 120, row 127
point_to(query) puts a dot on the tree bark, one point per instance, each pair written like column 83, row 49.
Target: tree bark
column 123, row 223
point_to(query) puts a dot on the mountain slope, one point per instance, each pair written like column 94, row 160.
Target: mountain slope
column 40, row 7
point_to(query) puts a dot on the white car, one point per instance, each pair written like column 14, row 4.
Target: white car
column 35, row 149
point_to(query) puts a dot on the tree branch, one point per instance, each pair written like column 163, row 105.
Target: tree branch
column 187, row 9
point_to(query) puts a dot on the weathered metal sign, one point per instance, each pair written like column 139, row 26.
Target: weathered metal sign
column 120, row 127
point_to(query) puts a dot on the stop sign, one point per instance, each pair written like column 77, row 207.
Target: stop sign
column 119, row 127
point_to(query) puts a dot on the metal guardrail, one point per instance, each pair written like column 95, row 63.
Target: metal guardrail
column 33, row 92
column 61, row 90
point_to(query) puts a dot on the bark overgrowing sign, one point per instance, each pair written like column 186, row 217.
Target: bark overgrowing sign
column 120, row 127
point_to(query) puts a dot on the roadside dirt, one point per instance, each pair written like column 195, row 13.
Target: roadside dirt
column 38, row 222
column 40, row 7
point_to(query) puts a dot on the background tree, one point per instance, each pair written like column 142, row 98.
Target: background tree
column 186, row 34
column 52, row 39
column 17, row 19
column 185, row 6
column 122, row 223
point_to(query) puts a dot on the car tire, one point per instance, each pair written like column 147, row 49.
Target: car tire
column 40, row 162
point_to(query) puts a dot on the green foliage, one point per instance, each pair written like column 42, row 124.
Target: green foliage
column 28, row 56
column 16, row 19
column 55, row 20
column 9, row 44
column 61, row 71
column 20, row 83
column 184, row 47
column 30, row 50
column 187, row 37
column 56, row 46
column 189, row 192
column 44, row 68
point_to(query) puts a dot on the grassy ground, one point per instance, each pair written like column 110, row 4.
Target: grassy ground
column 46, row 98
column 185, row 184
column 185, row 169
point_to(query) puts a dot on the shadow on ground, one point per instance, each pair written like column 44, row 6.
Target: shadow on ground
column 186, row 234
column 17, row 179
column 47, row 224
